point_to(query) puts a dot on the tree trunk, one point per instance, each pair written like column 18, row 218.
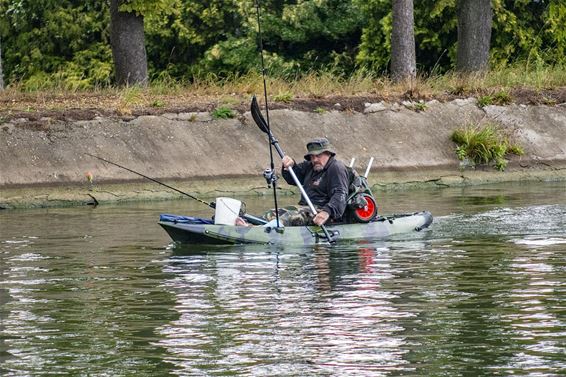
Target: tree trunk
column 403, row 60
column 1, row 73
column 475, row 18
column 128, row 46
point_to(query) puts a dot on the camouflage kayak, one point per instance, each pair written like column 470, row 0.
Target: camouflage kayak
column 194, row 230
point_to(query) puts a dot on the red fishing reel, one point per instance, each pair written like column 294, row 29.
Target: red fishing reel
column 365, row 208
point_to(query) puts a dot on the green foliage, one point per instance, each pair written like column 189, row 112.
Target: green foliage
column 234, row 56
column 435, row 32
column 65, row 43
column 55, row 43
column 319, row 110
column 524, row 30
column 484, row 101
column 418, row 106
column 500, row 98
column 314, row 34
column 131, row 95
column 223, row 112
column 158, row 103
column 285, row 97
column 484, row 145
column 531, row 31
column 375, row 44
column 179, row 40
column 148, row 7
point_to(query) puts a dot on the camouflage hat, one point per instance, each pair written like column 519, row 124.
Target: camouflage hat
column 317, row 146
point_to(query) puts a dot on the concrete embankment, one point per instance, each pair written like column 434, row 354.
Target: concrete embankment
column 43, row 162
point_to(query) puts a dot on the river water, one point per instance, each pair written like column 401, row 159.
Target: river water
column 102, row 292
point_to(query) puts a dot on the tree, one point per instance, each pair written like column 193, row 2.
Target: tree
column 475, row 18
column 1, row 74
column 128, row 45
column 403, row 60
column 178, row 39
column 530, row 32
column 60, row 43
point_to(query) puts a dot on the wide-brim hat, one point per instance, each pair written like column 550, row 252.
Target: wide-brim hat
column 318, row 146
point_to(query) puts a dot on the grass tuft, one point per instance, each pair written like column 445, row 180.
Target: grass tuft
column 284, row 97
column 484, row 145
column 500, row 98
column 223, row 112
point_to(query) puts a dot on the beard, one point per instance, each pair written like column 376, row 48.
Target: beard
column 317, row 167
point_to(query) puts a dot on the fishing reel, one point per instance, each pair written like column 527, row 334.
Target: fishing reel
column 270, row 177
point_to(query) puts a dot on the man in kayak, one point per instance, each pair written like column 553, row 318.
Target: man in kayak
column 325, row 180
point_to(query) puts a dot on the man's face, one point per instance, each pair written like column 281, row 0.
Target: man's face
column 319, row 161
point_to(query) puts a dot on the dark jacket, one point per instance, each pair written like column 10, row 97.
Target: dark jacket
column 327, row 189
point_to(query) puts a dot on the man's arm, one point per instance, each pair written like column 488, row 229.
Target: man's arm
column 299, row 170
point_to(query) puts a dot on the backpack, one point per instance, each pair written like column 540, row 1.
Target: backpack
column 361, row 206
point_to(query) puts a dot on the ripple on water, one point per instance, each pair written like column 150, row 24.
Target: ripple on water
column 478, row 294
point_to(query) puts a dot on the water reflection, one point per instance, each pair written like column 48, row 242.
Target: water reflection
column 329, row 313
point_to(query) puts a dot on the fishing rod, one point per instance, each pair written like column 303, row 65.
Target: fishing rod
column 270, row 175
column 252, row 219
column 210, row 204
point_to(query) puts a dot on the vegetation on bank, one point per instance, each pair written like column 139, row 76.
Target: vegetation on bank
column 483, row 145
column 66, row 44
column 518, row 84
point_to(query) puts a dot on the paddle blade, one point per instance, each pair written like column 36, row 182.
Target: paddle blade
column 258, row 118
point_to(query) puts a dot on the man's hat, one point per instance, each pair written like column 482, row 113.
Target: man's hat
column 317, row 146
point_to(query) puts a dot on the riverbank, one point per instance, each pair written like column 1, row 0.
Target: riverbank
column 43, row 161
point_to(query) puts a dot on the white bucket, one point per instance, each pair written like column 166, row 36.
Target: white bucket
column 226, row 211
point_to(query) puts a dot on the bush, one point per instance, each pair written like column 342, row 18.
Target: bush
column 484, row 145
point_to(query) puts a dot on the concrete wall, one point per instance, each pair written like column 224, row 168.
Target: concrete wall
column 405, row 143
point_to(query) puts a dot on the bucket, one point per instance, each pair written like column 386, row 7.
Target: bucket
column 226, row 211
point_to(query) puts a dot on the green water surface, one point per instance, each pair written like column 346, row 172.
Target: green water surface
column 102, row 292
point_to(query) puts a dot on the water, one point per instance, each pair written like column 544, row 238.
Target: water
column 102, row 292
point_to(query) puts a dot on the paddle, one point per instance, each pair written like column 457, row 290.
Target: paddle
column 263, row 126
column 252, row 219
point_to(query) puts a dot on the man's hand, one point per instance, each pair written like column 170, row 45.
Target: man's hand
column 287, row 162
column 321, row 218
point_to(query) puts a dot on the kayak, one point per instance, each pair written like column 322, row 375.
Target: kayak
column 196, row 230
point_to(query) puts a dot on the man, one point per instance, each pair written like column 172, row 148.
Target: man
column 325, row 180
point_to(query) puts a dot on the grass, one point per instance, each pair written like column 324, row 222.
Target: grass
column 496, row 87
column 223, row 112
column 482, row 145
column 418, row 106
column 284, row 97
column 500, row 98
column 158, row 103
